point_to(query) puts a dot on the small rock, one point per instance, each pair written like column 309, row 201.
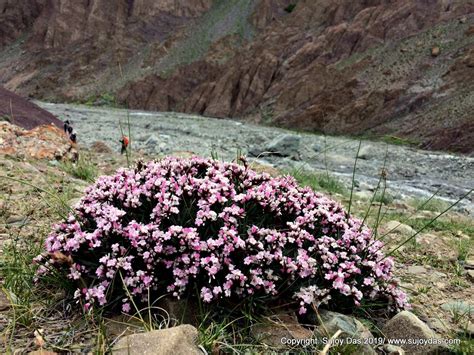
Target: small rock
column 79, row 189
column 438, row 325
column 470, row 328
column 42, row 352
column 101, row 147
column 122, row 325
column 152, row 140
column 179, row 311
column 405, row 325
column 469, row 263
column 262, row 167
column 367, row 152
column 16, row 220
column 470, row 275
column 281, row 326
column 416, row 269
column 72, row 202
column 463, row 19
column 4, row 302
column 435, row 51
column 390, row 349
column 400, row 228
column 461, row 235
column 350, row 327
column 458, row 307
column 179, row 340
column 317, row 147
column 364, row 195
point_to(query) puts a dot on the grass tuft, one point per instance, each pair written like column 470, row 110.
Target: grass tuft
column 83, row 169
column 319, row 181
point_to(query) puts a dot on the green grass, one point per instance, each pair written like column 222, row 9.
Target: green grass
column 434, row 205
column 446, row 223
column 466, row 347
column 383, row 197
column 319, row 181
column 83, row 169
column 226, row 17
column 105, row 99
column 18, row 272
column 398, row 141
column 290, row 8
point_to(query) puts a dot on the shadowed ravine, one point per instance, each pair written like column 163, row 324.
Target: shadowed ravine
column 410, row 172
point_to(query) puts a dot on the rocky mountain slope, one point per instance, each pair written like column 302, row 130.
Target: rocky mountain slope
column 378, row 67
column 21, row 112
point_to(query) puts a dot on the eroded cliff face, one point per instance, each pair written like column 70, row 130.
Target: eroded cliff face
column 342, row 67
column 63, row 23
column 16, row 17
column 352, row 67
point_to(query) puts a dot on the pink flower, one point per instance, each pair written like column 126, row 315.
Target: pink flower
column 126, row 307
column 171, row 225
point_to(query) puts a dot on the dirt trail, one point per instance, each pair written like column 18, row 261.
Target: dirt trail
column 410, row 171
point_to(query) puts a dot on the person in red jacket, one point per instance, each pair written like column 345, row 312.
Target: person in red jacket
column 124, row 141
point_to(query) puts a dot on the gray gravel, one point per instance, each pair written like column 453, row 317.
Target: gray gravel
column 411, row 172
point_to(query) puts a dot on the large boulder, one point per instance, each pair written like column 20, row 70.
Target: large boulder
column 408, row 327
column 179, row 340
column 284, row 145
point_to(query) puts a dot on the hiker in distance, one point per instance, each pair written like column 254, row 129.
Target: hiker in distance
column 67, row 123
column 124, row 142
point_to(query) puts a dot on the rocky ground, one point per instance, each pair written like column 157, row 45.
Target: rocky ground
column 410, row 172
column 435, row 268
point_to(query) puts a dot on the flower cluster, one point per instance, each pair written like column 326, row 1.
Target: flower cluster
column 183, row 226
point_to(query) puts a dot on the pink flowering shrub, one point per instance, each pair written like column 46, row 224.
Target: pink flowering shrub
column 184, row 225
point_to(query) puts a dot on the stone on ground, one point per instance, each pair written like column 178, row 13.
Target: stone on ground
column 406, row 325
column 284, row 145
column 179, row 340
column 367, row 152
column 390, row 349
column 5, row 303
column 278, row 327
column 350, row 327
column 400, row 228
column 179, row 311
column 469, row 264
